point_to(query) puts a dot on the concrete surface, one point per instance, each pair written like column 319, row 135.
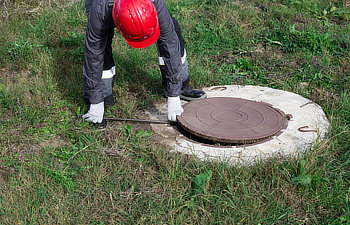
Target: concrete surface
column 306, row 115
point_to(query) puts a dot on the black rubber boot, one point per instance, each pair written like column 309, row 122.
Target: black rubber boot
column 101, row 126
column 190, row 94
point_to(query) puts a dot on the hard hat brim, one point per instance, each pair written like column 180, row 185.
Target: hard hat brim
column 143, row 44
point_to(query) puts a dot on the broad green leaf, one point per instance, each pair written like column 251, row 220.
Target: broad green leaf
column 200, row 183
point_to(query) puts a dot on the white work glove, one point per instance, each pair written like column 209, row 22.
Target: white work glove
column 95, row 113
column 174, row 108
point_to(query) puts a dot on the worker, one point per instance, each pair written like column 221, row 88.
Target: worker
column 141, row 23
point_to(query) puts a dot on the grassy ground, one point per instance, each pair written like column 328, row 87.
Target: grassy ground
column 57, row 169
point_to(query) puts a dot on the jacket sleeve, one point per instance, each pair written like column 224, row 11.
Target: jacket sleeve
column 95, row 44
column 168, row 46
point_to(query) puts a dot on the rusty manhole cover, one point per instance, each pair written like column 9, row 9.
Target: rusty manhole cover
column 231, row 120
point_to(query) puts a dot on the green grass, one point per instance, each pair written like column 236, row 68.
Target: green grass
column 57, row 169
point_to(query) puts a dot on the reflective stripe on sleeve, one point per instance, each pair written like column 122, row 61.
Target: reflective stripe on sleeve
column 106, row 74
column 183, row 59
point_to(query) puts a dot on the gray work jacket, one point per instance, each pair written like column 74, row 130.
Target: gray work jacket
column 100, row 21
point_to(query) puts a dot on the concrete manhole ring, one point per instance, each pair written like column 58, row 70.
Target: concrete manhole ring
column 307, row 124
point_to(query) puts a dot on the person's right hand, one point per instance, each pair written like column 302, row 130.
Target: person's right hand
column 174, row 108
column 95, row 113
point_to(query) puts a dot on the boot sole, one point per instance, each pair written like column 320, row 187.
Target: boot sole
column 189, row 99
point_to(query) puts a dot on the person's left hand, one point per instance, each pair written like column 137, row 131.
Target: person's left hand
column 174, row 108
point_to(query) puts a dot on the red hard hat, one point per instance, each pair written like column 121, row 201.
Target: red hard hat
column 137, row 21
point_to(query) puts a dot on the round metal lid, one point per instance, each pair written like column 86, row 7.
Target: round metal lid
column 231, row 120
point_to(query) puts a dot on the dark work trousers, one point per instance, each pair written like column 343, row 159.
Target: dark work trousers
column 108, row 64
